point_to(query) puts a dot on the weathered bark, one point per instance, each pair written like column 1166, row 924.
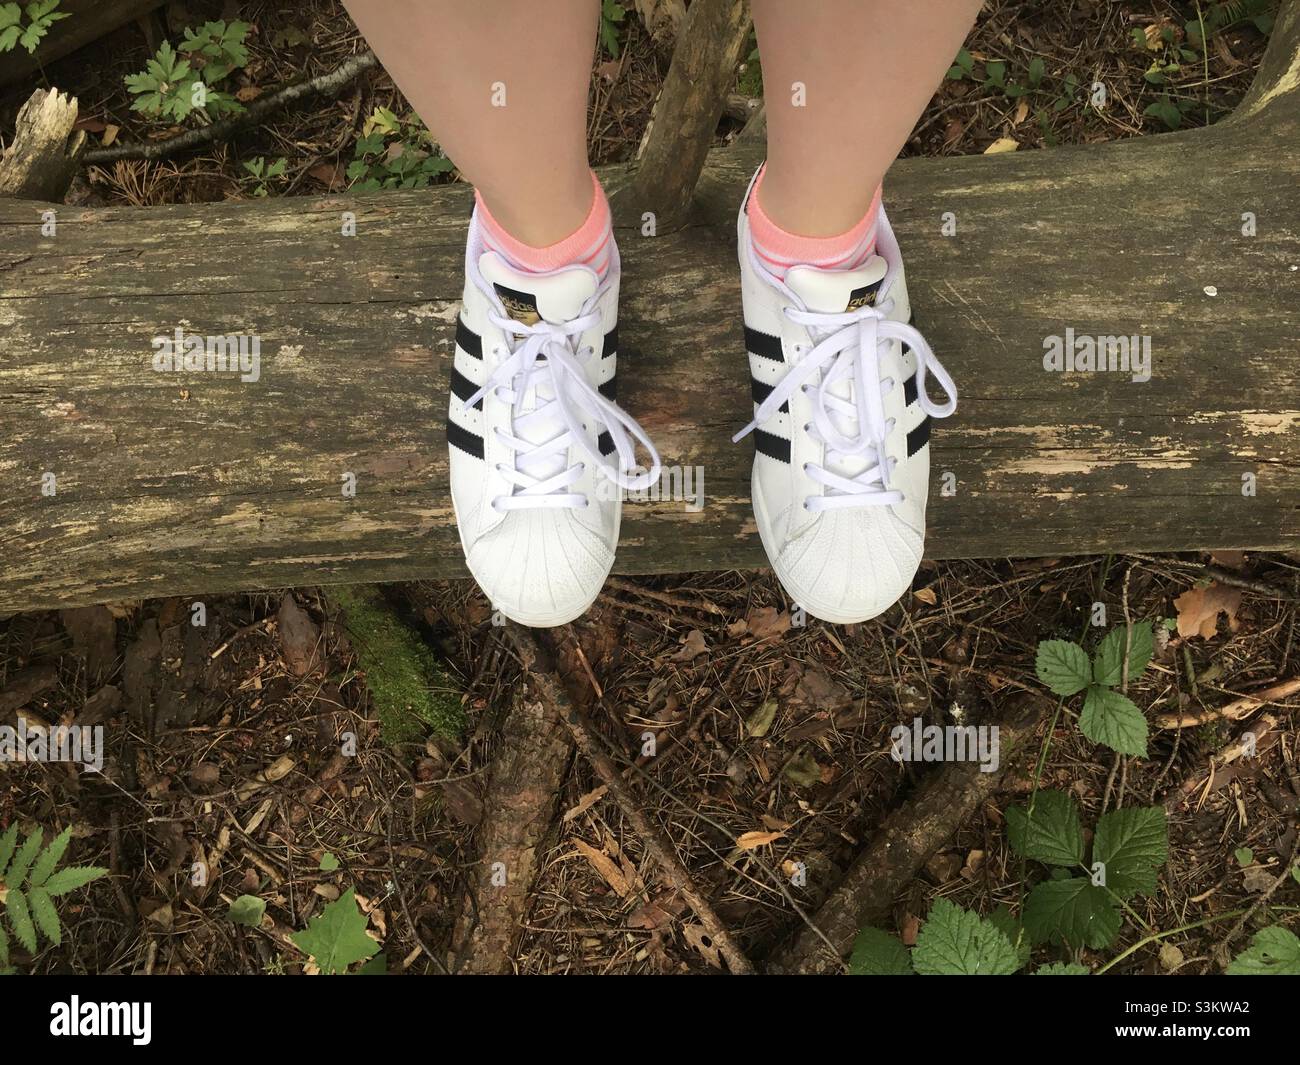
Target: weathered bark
column 902, row 845
column 90, row 20
column 523, row 789
column 42, row 159
column 685, row 118
column 171, row 483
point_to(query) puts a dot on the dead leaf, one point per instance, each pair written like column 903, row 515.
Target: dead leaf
column 768, row 623
column 748, row 841
column 818, row 688
column 110, row 134
column 926, row 595
column 1228, row 559
column 692, row 645
column 698, row 937
column 760, row 721
column 1257, row 879
column 1002, row 144
column 331, row 175
column 911, row 926
column 605, row 866
column 585, row 803
column 803, row 770
column 1022, row 112
column 1170, row 957
column 299, row 636
column 248, row 93
column 1199, row 609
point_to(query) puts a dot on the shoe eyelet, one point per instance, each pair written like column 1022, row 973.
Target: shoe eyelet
column 805, row 466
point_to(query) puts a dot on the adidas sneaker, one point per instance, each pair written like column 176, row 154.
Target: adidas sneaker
column 540, row 452
column 841, row 427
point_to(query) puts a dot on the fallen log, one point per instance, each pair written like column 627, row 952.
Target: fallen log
column 118, row 480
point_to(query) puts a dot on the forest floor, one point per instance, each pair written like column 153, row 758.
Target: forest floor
column 223, row 775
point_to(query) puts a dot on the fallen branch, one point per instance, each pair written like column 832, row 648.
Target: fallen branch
column 326, row 85
column 540, row 669
column 40, row 162
column 1235, row 710
column 902, row 846
column 522, row 793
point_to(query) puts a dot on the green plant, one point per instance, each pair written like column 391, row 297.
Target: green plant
column 175, row 85
column 1273, row 951
column 1128, row 847
column 1109, row 717
column 40, row 15
column 395, row 153
column 337, row 938
column 216, row 49
column 953, row 942
column 612, row 15
column 262, row 174
column 30, row 881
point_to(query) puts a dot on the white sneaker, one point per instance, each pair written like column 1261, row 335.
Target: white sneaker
column 841, row 425
column 539, row 450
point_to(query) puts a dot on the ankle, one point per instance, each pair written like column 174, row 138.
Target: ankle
column 780, row 247
column 586, row 241
column 802, row 207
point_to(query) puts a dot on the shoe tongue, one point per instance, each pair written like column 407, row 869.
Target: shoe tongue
column 555, row 297
column 834, row 292
column 837, row 291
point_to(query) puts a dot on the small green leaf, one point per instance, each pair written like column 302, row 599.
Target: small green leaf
column 1062, row 666
column 4, row 950
column 1050, row 832
column 20, row 919
column 23, row 859
column 877, row 953
column 1072, row 910
column 328, row 863
column 1009, row 925
column 337, row 937
column 1244, row 856
column 1061, row 968
column 47, row 917
column 50, row 857
column 1108, row 663
column 247, row 910
column 1036, row 71
column 1112, row 719
column 956, row 942
column 1273, row 951
column 1132, row 844
column 7, row 843
column 70, row 879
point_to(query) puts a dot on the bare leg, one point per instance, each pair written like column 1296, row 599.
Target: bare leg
column 869, row 68
column 451, row 59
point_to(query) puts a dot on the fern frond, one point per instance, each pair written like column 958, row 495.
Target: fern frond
column 50, row 857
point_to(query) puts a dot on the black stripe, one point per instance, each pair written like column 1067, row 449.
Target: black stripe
column 467, row 340
column 462, row 388
column 610, row 346
column 771, row 445
column 609, row 389
column 605, row 443
column 909, row 390
column 763, row 345
column 918, row 437
column 761, row 391
column 468, row 442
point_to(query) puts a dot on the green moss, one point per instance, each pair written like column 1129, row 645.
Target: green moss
column 409, row 688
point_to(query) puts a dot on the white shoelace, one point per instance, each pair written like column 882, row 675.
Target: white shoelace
column 547, row 357
column 850, row 351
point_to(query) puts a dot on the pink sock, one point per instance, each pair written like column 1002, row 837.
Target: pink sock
column 780, row 249
column 589, row 245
